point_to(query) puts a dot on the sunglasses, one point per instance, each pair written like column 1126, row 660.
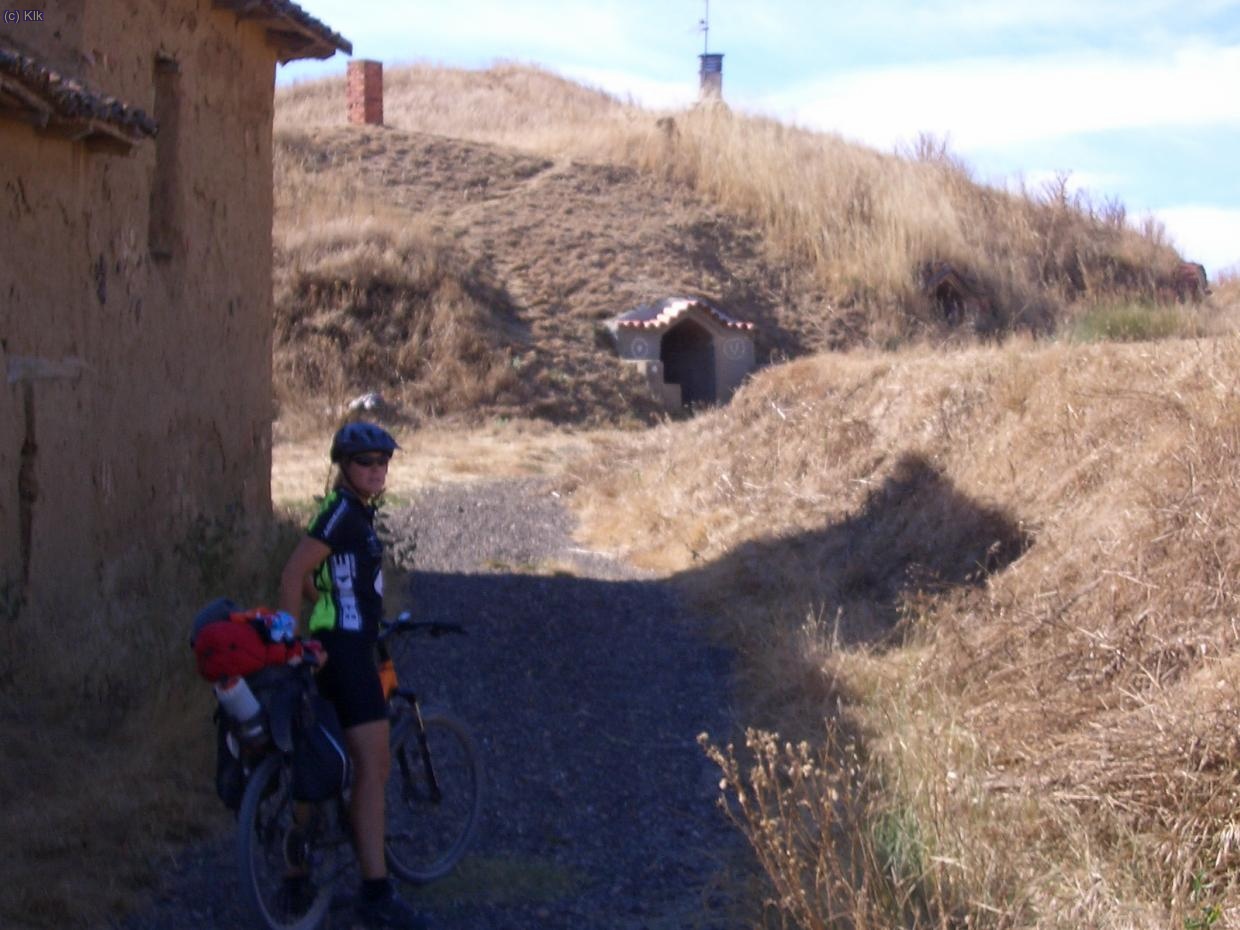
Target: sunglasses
column 370, row 461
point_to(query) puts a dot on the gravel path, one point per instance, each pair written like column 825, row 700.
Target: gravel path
column 586, row 684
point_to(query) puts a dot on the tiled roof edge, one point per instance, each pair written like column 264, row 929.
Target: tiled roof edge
column 68, row 99
column 675, row 307
column 292, row 13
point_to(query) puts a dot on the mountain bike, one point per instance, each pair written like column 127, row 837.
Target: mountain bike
column 434, row 799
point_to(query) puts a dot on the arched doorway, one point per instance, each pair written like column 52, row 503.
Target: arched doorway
column 688, row 355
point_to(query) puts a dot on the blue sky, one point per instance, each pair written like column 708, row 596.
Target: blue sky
column 1137, row 100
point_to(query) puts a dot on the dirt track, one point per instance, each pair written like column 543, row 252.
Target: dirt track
column 587, row 688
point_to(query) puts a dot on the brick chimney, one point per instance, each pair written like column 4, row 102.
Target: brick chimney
column 365, row 92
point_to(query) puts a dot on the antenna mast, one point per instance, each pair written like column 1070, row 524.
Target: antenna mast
column 705, row 24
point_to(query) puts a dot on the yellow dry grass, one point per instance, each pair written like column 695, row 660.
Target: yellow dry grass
column 438, row 454
column 1018, row 569
column 863, row 224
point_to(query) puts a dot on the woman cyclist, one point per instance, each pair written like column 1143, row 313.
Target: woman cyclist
column 338, row 564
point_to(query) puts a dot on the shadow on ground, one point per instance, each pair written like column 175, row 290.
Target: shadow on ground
column 587, row 696
column 915, row 534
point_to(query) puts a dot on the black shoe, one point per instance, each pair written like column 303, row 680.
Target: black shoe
column 296, row 895
column 389, row 912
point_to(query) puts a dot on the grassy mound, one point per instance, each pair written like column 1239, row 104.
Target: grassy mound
column 367, row 306
column 854, row 232
column 1013, row 573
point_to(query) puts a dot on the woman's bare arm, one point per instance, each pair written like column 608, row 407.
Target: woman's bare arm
column 308, row 556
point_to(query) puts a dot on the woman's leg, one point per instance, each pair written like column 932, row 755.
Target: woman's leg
column 372, row 759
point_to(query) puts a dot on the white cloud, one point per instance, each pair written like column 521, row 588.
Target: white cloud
column 1210, row 235
column 1000, row 102
column 978, row 16
column 647, row 92
column 418, row 29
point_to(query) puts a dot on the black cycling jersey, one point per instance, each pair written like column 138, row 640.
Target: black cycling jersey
column 350, row 580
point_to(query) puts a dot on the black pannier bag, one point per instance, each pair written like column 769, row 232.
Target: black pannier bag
column 296, row 720
column 230, row 772
column 320, row 759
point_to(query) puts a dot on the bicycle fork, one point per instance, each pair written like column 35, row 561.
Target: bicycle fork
column 428, row 767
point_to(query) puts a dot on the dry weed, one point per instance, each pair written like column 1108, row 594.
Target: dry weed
column 1025, row 565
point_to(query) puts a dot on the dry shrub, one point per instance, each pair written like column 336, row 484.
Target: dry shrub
column 363, row 304
column 837, row 853
column 1056, row 713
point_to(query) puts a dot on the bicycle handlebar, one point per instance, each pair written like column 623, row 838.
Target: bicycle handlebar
column 405, row 624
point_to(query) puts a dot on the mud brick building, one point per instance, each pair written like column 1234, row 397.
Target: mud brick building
column 135, row 291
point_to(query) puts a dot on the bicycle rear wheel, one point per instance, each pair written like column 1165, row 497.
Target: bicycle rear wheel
column 434, row 796
column 269, row 842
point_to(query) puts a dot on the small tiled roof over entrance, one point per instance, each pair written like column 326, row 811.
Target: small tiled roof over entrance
column 664, row 313
column 295, row 32
column 50, row 100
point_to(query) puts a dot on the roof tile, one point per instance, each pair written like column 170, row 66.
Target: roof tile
column 69, row 100
column 664, row 312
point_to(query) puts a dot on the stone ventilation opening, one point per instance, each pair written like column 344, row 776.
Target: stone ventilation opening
column 688, row 356
column 710, row 77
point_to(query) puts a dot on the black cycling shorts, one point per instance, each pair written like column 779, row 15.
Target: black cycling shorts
column 350, row 679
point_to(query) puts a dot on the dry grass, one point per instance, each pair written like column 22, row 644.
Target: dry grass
column 1018, row 570
column 861, row 224
column 363, row 304
column 438, row 454
column 385, row 281
column 109, row 748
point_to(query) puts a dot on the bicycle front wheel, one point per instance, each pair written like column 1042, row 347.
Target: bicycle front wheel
column 270, row 843
column 434, row 796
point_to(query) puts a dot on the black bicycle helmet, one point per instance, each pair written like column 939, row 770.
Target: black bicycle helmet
column 355, row 438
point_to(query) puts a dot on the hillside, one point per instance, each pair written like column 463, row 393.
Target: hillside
column 551, row 207
column 1016, row 572
column 998, row 564
column 545, row 249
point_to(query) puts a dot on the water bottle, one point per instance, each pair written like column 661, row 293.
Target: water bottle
column 242, row 706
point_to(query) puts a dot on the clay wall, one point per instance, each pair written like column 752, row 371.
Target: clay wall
column 136, row 402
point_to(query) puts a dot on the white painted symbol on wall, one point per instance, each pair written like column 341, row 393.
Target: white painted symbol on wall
column 640, row 347
column 734, row 349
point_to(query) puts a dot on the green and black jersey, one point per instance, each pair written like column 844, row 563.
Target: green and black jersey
column 350, row 580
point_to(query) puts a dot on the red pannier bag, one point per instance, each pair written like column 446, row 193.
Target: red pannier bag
column 228, row 642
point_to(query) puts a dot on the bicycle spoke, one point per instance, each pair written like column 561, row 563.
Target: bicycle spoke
column 287, row 869
column 433, row 799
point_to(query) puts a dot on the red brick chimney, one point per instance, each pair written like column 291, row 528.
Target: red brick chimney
column 365, row 92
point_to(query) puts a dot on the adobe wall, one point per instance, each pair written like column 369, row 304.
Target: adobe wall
column 167, row 418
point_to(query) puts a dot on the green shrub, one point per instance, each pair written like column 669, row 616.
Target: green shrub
column 1132, row 322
